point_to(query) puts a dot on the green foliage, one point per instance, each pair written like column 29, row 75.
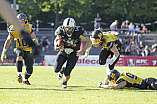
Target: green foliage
column 82, row 87
column 84, row 11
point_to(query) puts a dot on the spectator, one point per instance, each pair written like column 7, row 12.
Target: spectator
column 154, row 48
column 120, row 39
column 144, row 30
column 97, row 21
column 133, row 47
column 126, row 40
column 122, row 51
column 113, row 26
column 141, row 48
column 133, row 39
column 131, row 28
column 127, row 50
column 45, row 44
column 146, row 51
column 137, row 30
column 123, row 27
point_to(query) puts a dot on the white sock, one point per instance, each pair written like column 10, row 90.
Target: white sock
column 19, row 73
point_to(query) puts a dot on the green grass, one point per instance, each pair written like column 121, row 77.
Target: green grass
column 82, row 87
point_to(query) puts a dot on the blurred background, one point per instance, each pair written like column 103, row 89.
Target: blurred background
column 136, row 21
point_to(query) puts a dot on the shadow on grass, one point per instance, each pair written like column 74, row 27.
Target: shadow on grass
column 70, row 88
column 36, row 89
column 136, row 90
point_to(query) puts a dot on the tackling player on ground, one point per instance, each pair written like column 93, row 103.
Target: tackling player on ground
column 128, row 80
column 110, row 46
column 72, row 36
column 22, row 50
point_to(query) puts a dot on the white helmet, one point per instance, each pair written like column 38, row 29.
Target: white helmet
column 69, row 25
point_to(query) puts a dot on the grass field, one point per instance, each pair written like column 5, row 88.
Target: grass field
column 82, row 87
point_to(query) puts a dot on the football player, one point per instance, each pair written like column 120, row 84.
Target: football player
column 22, row 50
column 71, row 35
column 110, row 47
column 128, row 80
column 9, row 15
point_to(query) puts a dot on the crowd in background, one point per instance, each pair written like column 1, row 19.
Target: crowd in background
column 130, row 44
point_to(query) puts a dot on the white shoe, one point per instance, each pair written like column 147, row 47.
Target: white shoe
column 99, row 84
column 60, row 76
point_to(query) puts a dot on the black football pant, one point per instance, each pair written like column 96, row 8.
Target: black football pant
column 28, row 59
column 61, row 58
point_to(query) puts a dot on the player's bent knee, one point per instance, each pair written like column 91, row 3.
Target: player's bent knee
column 19, row 58
column 29, row 70
column 102, row 63
column 56, row 70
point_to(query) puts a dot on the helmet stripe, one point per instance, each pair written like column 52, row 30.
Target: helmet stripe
column 68, row 21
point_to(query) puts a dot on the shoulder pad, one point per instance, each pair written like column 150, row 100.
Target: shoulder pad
column 58, row 30
column 28, row 26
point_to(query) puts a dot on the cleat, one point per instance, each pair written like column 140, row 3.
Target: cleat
column 26, row 82
column 60, row 76
column 64, row 86
column 99, row 84
column 19, row 79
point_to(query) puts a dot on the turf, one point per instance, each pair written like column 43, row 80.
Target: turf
column 82, row 87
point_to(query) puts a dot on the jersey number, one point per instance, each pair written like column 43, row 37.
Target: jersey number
column 22, row 42
column 131, row 76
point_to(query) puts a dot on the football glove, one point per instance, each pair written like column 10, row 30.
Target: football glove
column 86, row 53
column 99, row 84
column 3, row 56
column 35, row 41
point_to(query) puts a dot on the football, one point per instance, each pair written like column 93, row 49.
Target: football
column 59, row 43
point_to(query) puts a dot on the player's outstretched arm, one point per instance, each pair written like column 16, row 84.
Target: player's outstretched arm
column 9, row 14
column 115, row 86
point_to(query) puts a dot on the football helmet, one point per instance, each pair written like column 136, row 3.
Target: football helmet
column 96, row 38
column 22, row 17
column 69, row 25
column 113, row 75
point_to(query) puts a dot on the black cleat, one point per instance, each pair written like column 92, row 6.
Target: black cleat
column 19, row 79
column 26, row 82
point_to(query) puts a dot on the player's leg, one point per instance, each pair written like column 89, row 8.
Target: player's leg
column 19, row 58
column 104, row 54
column 60, row 60
column 71, row 62
column 28, row 59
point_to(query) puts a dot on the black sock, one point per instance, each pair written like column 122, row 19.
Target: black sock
column 19, row 65
column 64, row 82
column 27, row 75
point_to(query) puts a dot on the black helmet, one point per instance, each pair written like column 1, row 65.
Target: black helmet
column 113, row 75
column 96, row 37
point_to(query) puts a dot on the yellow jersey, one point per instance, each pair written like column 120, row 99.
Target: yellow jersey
column 19, row 41
column 107, row 38
column 132, row 80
